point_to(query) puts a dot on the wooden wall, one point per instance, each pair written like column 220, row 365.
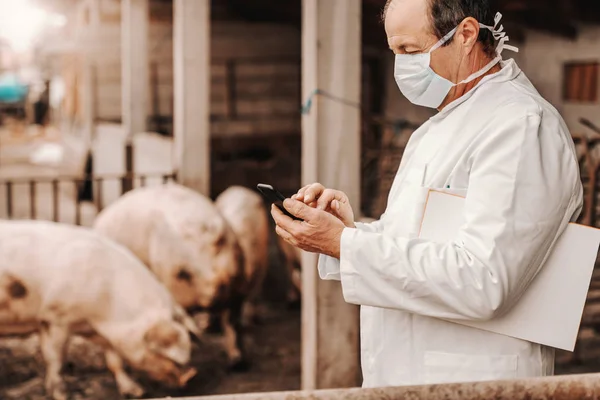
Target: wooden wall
column 255, row 92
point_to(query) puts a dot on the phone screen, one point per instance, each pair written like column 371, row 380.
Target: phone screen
column 275, row 197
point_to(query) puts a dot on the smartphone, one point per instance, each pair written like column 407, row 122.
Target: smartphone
column 275, row 197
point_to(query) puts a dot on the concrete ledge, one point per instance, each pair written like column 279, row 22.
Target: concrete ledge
column 566, row 387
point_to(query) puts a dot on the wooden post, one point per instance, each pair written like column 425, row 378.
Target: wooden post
column 88, row 101
column 134, row 63
column 331, row 62
column 191, row 59
column 135, row 20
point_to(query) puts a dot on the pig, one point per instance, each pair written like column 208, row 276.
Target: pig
column 182, row 237
column 292, row 262
column 60, row 280
column 246, row 214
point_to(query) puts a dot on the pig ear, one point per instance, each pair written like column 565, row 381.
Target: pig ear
column 165, row 338
column 161, row 335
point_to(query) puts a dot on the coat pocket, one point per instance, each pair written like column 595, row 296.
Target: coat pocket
column 442, row 367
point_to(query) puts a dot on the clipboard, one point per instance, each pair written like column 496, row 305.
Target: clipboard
column 550, row 310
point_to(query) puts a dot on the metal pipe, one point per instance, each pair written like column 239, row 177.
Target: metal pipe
column 65, row 178
column 77, row 202
column 565, row 387
column 55, row 199
column 9, row 200
column 32, row 202
column 99, row 183
column 127, row 181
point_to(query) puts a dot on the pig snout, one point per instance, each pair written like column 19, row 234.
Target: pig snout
column 168, row 373
column 186, row 376
column 168, row 354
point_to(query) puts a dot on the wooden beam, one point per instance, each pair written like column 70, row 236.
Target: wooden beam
column 88, row 99
column 134, row 65
column 331, row 61
column 191, row 63
column 376, row 3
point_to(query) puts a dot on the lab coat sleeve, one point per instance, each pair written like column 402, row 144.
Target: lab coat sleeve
column 329, row 267
column 522, row 185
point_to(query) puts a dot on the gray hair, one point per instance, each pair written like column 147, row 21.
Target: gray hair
column 445, row 15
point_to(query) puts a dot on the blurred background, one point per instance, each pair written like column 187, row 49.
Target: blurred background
column 98, row 97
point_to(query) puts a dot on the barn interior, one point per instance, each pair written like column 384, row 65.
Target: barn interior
column 101, row 97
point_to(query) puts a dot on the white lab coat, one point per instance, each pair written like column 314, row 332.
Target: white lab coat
column 509, row 151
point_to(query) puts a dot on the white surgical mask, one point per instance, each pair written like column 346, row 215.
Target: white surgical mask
column 422, row 86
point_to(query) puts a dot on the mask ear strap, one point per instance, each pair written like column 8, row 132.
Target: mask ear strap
column 443, row 40
column 497, row 32
column 500, row 35
column 481, row 72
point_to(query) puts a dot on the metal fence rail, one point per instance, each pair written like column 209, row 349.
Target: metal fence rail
column 51, row 192
column 568, row 387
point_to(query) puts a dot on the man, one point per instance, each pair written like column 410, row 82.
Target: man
column 495, row 140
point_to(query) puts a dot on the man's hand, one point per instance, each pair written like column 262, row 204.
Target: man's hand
column 319, row 232
column 333, row 201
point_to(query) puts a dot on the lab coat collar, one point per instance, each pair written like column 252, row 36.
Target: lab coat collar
column 510, row 70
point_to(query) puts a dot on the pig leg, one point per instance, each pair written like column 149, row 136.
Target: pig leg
column 250, row 314
column 127, row 387
column 251, row 310
column 53, row 341
column 234, row 337
column 254, row 312
column 215, row 323
column 297, row 279
column 295, row 291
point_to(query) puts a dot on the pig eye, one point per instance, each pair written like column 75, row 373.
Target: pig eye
column 184, row 275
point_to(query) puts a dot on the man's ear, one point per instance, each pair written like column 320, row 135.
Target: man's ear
column 467, row 34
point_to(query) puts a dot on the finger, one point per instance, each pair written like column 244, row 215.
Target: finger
column 300, row 210
column 326, row 198
column 285, row 222
column 278, row 216
column 286, row 236
column 313, row 192
column 335, row 206
column 300, row 195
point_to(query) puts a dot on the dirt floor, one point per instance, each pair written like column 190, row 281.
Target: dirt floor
column 274, row 346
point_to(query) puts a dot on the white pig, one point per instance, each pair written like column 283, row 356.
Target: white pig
column 246, row 214
column 181, row 236
column 59, row 280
